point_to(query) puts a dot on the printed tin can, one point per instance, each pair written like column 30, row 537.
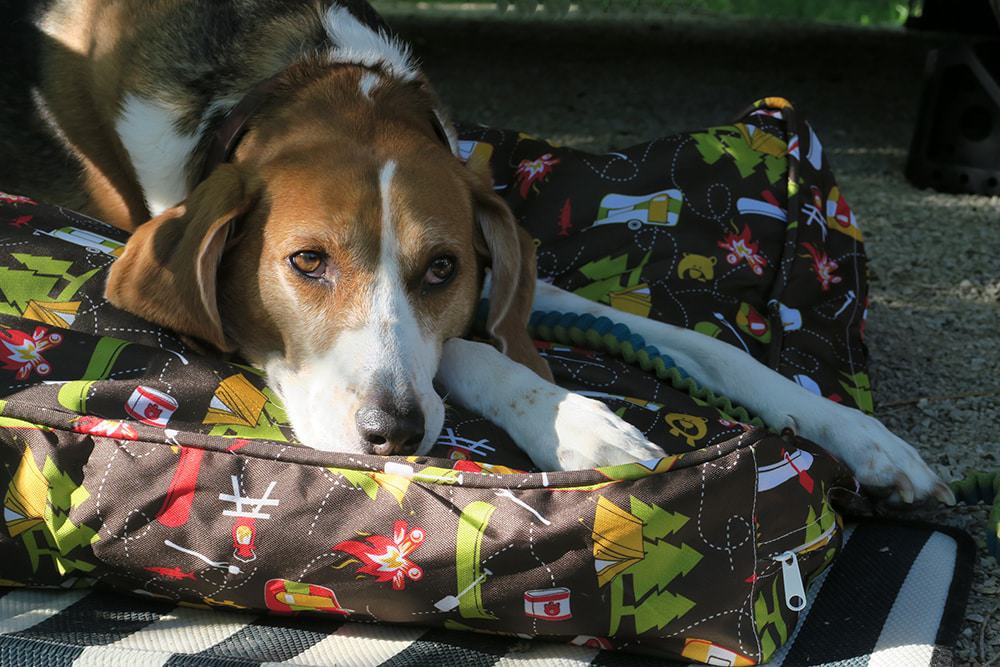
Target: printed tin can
column 151, row 406
column 550, row 604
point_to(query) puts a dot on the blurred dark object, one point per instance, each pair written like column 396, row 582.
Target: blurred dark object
column 956, row 146
column 967, row 17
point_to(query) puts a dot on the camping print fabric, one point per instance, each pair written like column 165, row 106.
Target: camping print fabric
column 130, row 461
column 739, row 232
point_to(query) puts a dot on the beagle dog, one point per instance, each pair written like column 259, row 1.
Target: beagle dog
column 292, row 186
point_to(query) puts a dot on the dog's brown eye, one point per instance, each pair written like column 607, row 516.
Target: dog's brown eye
column 440, row 270
column 308, row 263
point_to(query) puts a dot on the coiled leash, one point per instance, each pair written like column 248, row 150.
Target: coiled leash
column 603, row 335
column 983, row 487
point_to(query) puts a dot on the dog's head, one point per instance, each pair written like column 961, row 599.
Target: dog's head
column 338, row 253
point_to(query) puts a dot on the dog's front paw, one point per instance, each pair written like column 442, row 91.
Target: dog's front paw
column 886, row 465
column 590, row 435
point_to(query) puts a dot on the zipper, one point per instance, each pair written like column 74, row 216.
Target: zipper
column 791, row 575
column 795, row 589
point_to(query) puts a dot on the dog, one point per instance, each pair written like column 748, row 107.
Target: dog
column 292, row 183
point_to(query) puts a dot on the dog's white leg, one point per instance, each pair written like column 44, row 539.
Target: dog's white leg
column 558, row 429
column 878, row 458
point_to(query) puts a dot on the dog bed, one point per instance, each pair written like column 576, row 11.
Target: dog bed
column 915, row 580
column 134, row 463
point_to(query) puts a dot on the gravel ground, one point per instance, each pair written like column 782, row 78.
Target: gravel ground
column 935, row 258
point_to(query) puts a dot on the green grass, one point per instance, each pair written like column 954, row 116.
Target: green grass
column 857, row 12
column 863, row 12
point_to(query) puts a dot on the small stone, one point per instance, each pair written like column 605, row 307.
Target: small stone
column 975, row 618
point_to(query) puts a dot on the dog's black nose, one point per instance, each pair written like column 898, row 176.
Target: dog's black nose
column 388, row 431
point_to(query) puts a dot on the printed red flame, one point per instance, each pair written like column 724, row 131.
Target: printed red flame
column 387, row 559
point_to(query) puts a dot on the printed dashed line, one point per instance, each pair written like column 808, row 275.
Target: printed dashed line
column 728, row 200
column 134, row 456
column 728, row 548
column 705, row 620
column 618, row 158
column 361, row 464
column 124, row 535
column 770, row 569
column 94, row 307
column 319, row 511
column 745, row 614
column 725, row 468
column 710, row 213
column 234, row 581
column 548, row 570
column 23, row 385
column 729, row 553
column 673, row 163
column 171, row 593
column 126, row 372
column 531, row 548
column 163, row 372
column 680, row 305
column 711, row 291
column 829, row 345
column 243, row 469
column 723, row 436
column 325, row 554
column 733, row 268
column 786, row 358
column 488, row 559
column 100, row 489
column 150, row 332
column 544, row 256
column 575, row 368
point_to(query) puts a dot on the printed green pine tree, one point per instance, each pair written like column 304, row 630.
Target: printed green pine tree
column 653, row 606
column 719, row 141
column 770, row 623
column 38, row 281
column 60, row 534
column 610, row 274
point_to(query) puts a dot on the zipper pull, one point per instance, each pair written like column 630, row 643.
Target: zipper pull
column 795, row 590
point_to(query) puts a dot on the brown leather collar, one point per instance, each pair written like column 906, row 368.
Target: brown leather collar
column 227, row 135
column 230, row 131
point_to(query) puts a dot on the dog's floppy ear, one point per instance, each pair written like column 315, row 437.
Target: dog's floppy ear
column 167, row 273
column 510, row 253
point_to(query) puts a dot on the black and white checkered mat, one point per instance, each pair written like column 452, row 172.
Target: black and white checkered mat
column 895, row 596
